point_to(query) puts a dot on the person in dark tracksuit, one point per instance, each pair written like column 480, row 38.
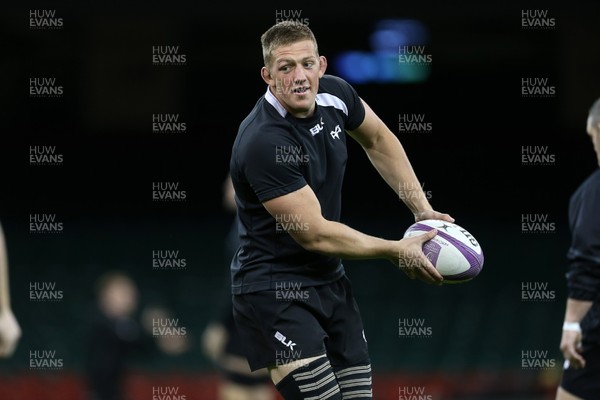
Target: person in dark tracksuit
column 580, row 342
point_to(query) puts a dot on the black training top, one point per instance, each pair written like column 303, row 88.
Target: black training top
column 583, row 276
column 275, row 154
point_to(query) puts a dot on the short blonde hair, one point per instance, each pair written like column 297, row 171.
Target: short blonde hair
column 282, row 34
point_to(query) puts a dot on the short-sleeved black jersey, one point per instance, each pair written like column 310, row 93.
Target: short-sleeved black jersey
column 275, row 154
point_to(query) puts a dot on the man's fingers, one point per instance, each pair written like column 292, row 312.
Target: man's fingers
column 432, row 214
column 415, row 263
column 431, row 274
column 447, row 217
column 576, row 360
column 576, row 355
column 425, row 271
column 428, row 235
column 571, row 352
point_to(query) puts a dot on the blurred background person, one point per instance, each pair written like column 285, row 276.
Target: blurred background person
column 10, row 330
column 116, row 334
column 113, row 335
column 221, row 342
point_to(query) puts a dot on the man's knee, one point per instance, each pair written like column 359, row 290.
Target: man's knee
column 281, row 371
column 308, row 378
column 562, row 394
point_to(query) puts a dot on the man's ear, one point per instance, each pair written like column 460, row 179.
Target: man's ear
column 322, row 66
column 266, row 75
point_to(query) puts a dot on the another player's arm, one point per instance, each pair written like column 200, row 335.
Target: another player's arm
column 339, row 240
column 387, row 155
column 229, row 203
column 10, row 331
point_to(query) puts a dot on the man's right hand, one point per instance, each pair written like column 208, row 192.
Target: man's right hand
column 414, row 262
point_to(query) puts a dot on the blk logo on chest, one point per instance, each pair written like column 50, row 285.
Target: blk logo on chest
column 317, row 128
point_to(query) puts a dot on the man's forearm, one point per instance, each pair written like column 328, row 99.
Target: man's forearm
column 576, row 310
column 389, row 158
column 339, row 240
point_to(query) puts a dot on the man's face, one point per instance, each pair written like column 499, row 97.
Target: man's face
column 594, row 131
column 120, row 298
column 293, row 77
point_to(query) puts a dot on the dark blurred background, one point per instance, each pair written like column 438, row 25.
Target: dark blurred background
column 98, row 59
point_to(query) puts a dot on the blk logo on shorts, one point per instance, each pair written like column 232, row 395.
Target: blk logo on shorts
column 279, row 336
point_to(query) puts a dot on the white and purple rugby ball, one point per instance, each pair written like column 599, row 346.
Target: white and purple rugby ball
column 454, row 252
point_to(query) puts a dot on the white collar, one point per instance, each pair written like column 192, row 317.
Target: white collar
column 270, row 97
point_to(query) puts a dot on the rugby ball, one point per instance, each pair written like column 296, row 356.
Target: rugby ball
column 454, row 252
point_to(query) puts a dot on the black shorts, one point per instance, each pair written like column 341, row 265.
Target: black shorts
column 584, row 382
column 234, row 344
column 293, row 322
